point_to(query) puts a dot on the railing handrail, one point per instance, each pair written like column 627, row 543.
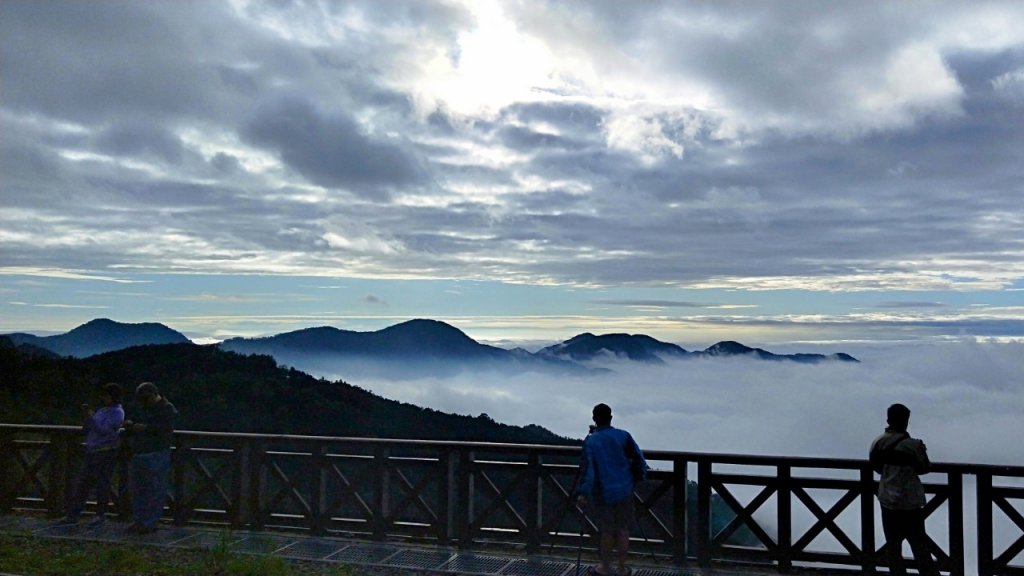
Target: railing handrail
column 655, row 455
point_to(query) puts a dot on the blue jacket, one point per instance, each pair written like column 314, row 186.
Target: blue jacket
column 610, row 456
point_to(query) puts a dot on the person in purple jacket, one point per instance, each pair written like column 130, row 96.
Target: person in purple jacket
column 101, row 448
column 612, row 465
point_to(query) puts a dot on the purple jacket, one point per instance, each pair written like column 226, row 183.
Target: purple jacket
column 101, row 428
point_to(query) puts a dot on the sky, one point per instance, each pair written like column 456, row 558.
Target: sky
column 772, row 173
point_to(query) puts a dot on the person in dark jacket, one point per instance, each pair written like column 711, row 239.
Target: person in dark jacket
column 151, row 437
column 900, row 459
column 612, row 464
column 100, row 459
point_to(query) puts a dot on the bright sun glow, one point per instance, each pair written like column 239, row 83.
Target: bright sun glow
column 495, row 65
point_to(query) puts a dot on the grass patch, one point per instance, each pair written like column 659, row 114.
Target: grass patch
column 45, row 557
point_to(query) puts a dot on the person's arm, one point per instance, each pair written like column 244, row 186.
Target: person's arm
column 162, row 422
column 638, row 463
column 875, row 458
column 922, row 465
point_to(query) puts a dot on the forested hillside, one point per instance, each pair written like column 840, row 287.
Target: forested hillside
column 222, row 391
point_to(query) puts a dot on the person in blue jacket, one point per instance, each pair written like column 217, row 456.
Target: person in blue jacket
column 612, row 465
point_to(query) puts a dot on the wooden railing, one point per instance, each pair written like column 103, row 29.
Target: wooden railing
column 695, row 508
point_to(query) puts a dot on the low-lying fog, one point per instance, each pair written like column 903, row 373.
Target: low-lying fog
column 967, row 401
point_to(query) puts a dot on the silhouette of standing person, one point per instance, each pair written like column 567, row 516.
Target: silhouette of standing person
column 100, row 459
column 612, row 464
column 151, row 436
column 900, row 459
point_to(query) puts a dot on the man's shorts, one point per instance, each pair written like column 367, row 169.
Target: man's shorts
column 615, row 517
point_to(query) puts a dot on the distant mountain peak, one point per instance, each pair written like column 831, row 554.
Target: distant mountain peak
column 102, row 335
column 638, row 347
column 728, row 348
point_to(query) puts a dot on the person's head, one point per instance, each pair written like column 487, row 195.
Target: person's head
column 602, row 414
column 111, row 393
column 147, row 394
column 898, row 416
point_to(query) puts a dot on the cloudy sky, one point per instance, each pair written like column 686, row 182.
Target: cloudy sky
column 771, row 172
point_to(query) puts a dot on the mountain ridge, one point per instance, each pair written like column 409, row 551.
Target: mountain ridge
column 416, row 346
column 99, row 336
column 587, row 347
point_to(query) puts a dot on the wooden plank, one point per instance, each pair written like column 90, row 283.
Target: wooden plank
column 985, row 552
column 680, row 513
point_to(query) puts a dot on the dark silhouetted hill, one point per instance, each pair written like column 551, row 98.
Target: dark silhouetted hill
column 637, row 347
column 416, row 347
column 99, row 336
column 728, row 348
column 222, row 391
column 27, row 349
column 412, row 339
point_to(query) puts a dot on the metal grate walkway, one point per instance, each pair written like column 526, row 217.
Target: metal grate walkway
column 336, row 550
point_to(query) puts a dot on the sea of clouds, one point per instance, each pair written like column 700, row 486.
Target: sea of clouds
column 967, row 400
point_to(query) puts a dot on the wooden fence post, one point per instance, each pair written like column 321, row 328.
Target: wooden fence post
column 446, row 497
column 464, row 500
column 785, row 512
column 241, row 514
column 955, row 480
column 255, row 484
column 317, row 490
column 867, row 521
column 680, row 512
column 8, row 482
column 383, row 490
column 179, row 468
column 533, row 502
column 704, row 512
column 985, row 546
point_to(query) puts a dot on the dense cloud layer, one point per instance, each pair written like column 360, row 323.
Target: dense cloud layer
column 967, row 401
column 529, row 142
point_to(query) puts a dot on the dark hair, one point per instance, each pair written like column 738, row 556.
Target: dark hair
column 898, row 415
column 147, row 388
column 602, row 414
column 114, row 391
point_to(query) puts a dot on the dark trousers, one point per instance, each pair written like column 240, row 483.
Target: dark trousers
column 97, row 470
column 149, row 486
column 900, row 525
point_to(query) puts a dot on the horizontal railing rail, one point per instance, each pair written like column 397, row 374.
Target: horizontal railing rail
column 701, row 508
